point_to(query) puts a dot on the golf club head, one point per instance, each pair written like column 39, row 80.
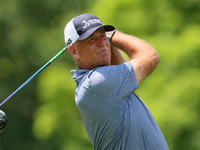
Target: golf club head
column 3, row 120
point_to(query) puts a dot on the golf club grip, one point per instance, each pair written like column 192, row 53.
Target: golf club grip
column 34, row 75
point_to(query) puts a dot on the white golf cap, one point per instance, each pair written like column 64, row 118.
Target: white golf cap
column 82, row 26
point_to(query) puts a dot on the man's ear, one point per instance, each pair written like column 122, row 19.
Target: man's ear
column 72, row 50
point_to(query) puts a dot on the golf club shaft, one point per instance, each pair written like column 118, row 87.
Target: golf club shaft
column 33, row 76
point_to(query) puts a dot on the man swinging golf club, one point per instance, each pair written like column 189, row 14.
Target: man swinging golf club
column 115, row 118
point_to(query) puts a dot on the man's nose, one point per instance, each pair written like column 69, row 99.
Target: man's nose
column 101, row 41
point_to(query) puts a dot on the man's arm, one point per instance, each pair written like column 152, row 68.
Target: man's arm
column 116, row 56
column 142, row 55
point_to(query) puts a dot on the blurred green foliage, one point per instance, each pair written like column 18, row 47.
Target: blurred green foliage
column 43, row 115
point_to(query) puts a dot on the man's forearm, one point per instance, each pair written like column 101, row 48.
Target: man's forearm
column 116, row 56
column 142, row 55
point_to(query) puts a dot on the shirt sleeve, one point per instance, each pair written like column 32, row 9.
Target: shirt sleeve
column 113, row 84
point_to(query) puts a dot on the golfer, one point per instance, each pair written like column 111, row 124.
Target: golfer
column 115, row 118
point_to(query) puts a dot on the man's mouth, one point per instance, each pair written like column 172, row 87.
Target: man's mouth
column 102, row 50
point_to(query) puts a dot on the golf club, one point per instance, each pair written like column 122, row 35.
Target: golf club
column 3, row 120
column 34, row 75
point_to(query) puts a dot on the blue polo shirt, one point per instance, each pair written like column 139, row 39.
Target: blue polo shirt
column 115, row 118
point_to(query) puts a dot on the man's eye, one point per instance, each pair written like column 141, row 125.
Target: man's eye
column 91, row 39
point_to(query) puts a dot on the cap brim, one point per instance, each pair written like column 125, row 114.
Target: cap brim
column 92, row 30
column 109, row 28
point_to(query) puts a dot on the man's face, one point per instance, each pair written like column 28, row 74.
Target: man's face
column 93, row 51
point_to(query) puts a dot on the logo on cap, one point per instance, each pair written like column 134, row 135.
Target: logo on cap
column 69, row 42
column 90, row 22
